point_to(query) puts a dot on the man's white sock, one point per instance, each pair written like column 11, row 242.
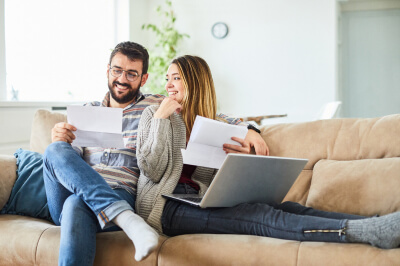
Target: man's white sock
column 142, row 235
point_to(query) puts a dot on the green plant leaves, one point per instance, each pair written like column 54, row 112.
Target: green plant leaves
column 166, row 47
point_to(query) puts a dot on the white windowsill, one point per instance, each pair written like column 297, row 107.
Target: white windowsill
column 36, row 104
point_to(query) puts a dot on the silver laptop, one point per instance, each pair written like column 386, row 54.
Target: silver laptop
column 247, row 178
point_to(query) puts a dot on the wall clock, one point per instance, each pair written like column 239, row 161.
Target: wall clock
column 219, row 30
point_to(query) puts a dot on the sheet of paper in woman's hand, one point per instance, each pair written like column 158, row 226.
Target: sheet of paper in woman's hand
column 206, row 141
column 96, row 126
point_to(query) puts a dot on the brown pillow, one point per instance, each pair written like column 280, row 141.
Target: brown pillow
column 43, row 122
column 365, row 187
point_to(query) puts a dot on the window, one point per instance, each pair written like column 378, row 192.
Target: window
column 58, row 50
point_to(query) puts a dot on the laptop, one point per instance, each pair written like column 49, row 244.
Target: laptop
column 245, row 178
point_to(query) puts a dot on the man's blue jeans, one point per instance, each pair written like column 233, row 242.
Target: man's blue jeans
column 80, row 201
column 288, row 220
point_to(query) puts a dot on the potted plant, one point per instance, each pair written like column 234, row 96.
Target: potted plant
column 168, row 39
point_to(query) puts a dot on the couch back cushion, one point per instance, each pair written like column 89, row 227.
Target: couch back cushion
column 353, row 166
column 43, row 122
column 353, row 160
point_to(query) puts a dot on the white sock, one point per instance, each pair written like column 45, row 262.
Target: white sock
column 142, row 235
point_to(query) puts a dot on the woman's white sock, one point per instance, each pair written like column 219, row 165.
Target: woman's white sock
column 142, row 235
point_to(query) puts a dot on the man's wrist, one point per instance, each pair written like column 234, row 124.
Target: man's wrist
column 250, row 126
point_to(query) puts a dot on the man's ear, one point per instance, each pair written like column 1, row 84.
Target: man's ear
column 144, row 79
column 108, row 70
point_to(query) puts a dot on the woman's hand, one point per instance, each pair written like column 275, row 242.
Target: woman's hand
column 167, row 107
column 63, row 132
column 244, row 146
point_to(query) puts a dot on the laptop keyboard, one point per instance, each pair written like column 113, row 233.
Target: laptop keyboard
column 194, row 199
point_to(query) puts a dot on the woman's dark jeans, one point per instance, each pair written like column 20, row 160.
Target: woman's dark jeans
column 288, row 220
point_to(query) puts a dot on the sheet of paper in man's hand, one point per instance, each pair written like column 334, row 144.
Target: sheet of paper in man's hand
column 206, row 142
column 96, row 126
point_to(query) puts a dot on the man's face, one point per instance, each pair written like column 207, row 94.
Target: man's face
column 122, row 90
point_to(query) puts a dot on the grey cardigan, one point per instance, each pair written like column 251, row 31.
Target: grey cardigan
column 159, row 144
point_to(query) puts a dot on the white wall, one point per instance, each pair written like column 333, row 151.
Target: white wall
column 16, row 123
column 279, row 56
column 2, row 53
column 371, row 63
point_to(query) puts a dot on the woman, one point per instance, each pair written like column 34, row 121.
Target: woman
column 165, row 130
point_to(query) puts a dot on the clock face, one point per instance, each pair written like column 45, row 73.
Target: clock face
column 219, row 30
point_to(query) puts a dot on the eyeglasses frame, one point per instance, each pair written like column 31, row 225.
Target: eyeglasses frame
column 126, row 71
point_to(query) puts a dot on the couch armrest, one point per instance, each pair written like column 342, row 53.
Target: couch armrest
column 8, row 175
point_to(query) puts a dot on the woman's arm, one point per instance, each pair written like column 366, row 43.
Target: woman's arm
column 152, row 145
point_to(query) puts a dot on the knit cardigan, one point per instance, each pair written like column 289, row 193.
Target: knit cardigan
column 159, row 157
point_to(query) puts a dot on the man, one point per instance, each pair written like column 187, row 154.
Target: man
column 90, row 190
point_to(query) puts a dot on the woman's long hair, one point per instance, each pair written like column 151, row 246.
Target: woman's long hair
column 200, row 98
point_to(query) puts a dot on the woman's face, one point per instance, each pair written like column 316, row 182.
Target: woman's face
column 174, row 84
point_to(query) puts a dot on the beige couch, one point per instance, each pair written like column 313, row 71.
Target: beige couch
column 354, row 167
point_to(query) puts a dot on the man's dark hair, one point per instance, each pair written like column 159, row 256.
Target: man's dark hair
column 133, row 51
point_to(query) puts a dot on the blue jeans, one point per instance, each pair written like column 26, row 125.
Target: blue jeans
column 288, row 220
column 80, row 201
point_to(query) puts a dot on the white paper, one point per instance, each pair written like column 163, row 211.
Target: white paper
column 96, row 126
column 206, row 142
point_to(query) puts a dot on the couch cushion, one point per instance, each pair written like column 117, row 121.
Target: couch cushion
column 336, row 139
column 318, row 253
column 112, row 248
column 344, row 139
column 30, row 241
column 364, row 187
column 43, row 122
column 208, row 249
column 19, row 239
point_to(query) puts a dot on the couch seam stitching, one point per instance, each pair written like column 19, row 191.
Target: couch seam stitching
column 160, row 249
column 297, row 255
column 37, row 244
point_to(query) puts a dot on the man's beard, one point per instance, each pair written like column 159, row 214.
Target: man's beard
column 125, row 98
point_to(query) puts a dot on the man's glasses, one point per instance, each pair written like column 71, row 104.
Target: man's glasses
column 130, row 75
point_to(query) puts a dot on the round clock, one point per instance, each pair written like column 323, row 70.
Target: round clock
column 219, row 30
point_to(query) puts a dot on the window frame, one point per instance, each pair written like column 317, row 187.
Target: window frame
column 121, row 19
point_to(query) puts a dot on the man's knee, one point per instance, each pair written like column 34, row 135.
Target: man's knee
column 77, row 215
column 74, row 202
column 57, row 151
column 55, row 148
column 75, row 207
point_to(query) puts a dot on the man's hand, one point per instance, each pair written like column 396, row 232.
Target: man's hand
column 63, row 132
column 255, row 141
column 167, row 107
column 252, row 139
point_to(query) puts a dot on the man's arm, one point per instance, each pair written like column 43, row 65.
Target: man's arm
column 255, row 141
column 252, row 140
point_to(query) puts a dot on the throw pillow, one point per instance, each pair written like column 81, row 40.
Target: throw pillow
column 364, row 187
column 28, row 195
